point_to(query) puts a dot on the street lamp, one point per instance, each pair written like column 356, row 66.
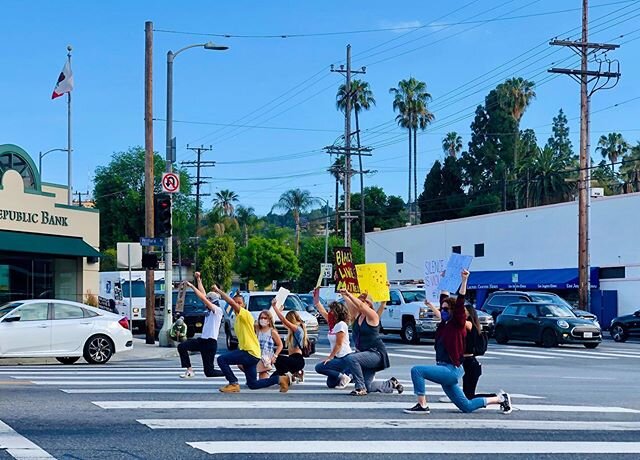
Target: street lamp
column 326, row 229
column 42, row 155
column 170, row 157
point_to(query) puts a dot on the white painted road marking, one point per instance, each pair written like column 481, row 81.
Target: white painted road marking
column 339, row 405
column 18, row 446
column 405, row 423
column 302, row 446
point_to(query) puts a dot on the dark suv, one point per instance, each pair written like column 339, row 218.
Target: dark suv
column 625, row 326
column 498, row 300
column 193, row 314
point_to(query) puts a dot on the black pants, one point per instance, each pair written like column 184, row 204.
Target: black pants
column 292, row 363
column 207, row 348
column 472, row 372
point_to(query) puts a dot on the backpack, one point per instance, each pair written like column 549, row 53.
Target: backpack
column 480, row 343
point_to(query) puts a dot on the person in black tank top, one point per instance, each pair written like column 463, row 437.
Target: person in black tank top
column 470, row 364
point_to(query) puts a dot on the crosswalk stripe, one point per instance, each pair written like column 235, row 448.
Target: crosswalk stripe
column 526, row 353
column 303, row 446
column 394, row 423
column 519, row 355
column 339, row 404
column 18, row 446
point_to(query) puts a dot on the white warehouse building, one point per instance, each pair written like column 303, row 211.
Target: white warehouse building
column 533, row 248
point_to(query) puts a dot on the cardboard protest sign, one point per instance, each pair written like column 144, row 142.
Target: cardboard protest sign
column 453, row 275
column 433, row 274
column 345, row 271
column 372, row 279
column 181, row 296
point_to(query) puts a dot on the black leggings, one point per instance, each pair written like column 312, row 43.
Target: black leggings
column 292, row 363
column 206, row 347
column 472, row 372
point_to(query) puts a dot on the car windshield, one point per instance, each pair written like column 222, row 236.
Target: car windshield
column 263, row 302
column 557, row 300
column 191, row 302
column 306, row 298
column 413, row 296
column 555, row 311
column 6, row 308
column 137, row 289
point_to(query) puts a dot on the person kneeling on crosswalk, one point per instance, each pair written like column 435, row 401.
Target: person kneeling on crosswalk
column 450, row 346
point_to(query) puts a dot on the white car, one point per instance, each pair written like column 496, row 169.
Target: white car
column 63, row 330
column 258, row 301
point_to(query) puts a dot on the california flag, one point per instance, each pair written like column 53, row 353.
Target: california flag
column 65, row 82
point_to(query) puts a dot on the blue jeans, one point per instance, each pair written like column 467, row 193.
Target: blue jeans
column 246, row 360
column 362, row 365
column 333, row 370
column 448, row 376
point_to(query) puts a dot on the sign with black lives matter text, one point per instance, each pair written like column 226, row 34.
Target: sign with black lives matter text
column 345, row 271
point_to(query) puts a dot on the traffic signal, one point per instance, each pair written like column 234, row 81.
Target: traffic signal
column 150, row 261
column 162, row 215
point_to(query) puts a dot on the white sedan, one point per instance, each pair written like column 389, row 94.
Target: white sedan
column 63, row 330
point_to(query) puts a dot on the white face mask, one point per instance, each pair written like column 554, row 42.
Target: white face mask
column 264, row 322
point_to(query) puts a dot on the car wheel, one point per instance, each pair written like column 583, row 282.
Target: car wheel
column 409, row 333
column 231, row 345
column 68, row 359
column 591, row 345
column 501, row 335
column 549, row 339
column 98, row 349
column 618, row 333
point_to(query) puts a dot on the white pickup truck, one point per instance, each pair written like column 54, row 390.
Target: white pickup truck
column 407, row 315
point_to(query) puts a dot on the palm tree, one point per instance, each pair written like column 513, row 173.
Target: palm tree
column 337, row 171
column 547, row 173
column 410, row 101
column 361, row 99
column 612, row 147
column 452, row 144
column 246, row 217
column 225, row 200
column 295, row 201
column 630, row 169
column 515, row 95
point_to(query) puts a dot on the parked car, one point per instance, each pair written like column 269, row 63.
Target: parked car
column 546, row 324
column 498, row 300
column 407, row 315
column 193, row 313
column 486, row 322
column 258, row 301
column 625, row 326
column 307, row 299
column 63, row 330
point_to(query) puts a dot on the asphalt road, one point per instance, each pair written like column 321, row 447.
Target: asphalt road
column 570, row 403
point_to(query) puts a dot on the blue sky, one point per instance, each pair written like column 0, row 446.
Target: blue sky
column 281, row 90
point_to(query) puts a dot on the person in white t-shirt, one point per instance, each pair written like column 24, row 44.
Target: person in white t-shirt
column 334, row 366
column 207, row 343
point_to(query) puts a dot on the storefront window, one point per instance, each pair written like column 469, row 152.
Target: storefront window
column 25, row 278
column 66, row 279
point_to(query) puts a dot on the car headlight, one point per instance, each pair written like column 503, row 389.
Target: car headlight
column 424, row 313
column 136, row 310
column 563, row 324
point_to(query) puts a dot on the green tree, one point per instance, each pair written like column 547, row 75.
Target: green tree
column 515, row 95
column 411, row 102
column 246, row 218
column 264, row 260
column 225, row 200
column 337, row 172
column 452, row 144
column 312, row 255
column 218, row 257
column 612, row 147
column 559, row 142
column 119, row 195
column 430, row 198
column 630, row 170
column 295, row 201
column 604, row 176
column 382, row 211
column 108, row 261
column 548, row 177
column 361, row 99
column 443, row 196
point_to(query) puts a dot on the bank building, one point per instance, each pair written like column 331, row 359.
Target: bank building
column 48, row 249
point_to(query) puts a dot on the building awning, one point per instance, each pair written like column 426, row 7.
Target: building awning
column 560, row 278
column 45, row 244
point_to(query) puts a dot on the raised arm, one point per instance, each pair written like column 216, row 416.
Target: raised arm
column 288, row 324
column 235, row 305
column 202, row 296
column 370, row 314
column 459, row 312
column 435, row 310
column 383, row 304
column 319, row 306
column 199, row 283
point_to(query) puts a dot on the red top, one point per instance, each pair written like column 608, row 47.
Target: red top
column 454, row 332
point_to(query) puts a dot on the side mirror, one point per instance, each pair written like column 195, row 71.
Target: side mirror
column 530, row 316
column 12, row 319
column 637, row 313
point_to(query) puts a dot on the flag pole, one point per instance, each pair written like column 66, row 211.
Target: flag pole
column 70, row 193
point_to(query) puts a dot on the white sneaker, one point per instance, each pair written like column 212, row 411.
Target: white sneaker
column 344, row 381
column 444, row 399
column 188, row 375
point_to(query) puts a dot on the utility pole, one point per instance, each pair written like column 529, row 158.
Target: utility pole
column 80, row 194
column 149, row 176
column 590, row 81
column 348, row 151
column 198, row 164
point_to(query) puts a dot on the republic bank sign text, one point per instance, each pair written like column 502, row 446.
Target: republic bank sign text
column 28, row 217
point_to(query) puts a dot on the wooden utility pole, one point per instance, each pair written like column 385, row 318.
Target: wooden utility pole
column 599, row 79
column 149, row 175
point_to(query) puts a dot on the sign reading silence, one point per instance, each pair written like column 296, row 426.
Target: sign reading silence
column 345, row 271
column 372, row 279
column 433, row 274
column 453, row 275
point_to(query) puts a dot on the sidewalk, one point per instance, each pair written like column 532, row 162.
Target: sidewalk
column 140, row 352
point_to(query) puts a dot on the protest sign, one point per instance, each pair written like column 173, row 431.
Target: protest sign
column 433, row 274
column 453, row 275
column 345, row 271
column 281, row 296
column 372, row 279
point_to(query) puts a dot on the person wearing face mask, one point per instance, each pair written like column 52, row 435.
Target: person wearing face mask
column 450, row 346
column 270, row 343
